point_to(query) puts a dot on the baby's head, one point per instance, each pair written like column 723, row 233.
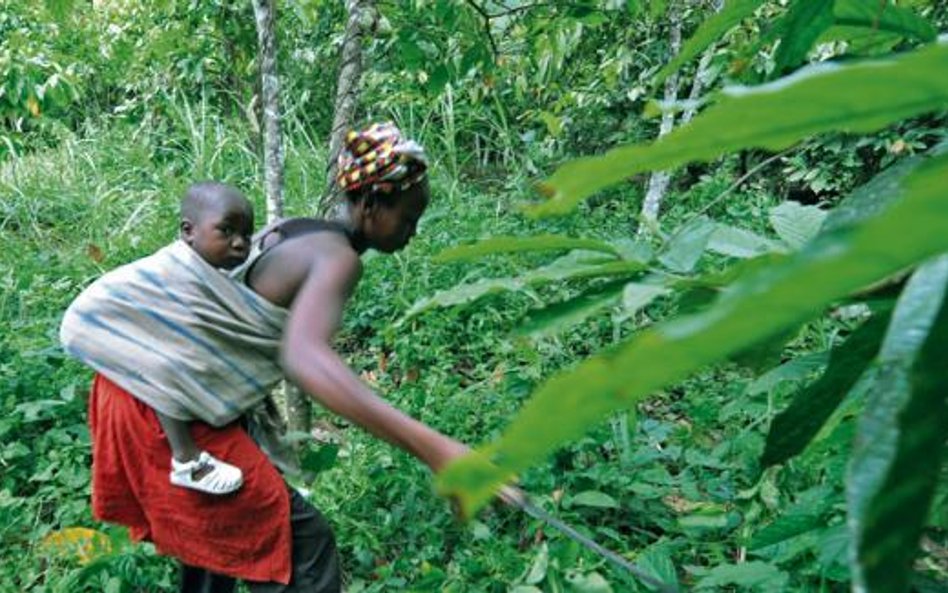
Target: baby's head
column 217, row 221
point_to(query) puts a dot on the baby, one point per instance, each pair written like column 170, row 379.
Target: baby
column 216, row 222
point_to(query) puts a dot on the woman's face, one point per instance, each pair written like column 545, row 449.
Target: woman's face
column 390, row 223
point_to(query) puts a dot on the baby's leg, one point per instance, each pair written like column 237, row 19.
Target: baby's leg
column 179, row 437
column 193, row 468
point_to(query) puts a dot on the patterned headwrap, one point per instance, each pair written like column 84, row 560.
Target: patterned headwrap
column 380, row 159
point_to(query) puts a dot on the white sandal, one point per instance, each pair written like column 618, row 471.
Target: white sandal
column 223, row 478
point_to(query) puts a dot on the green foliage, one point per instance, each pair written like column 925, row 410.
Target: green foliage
column 818, row 99
column 711, row 30
column 521, row 244
column 755, row 307
column 801, row 27
column 883, row 16
column 793, row 428
column 796, row 224
column 135, row 100
column 897, row 453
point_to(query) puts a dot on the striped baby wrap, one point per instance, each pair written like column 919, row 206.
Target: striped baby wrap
column 185, row 338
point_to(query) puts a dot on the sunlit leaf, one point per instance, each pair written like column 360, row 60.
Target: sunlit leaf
column 537, row 570
column 856, row 97
column 759, row 305
column 758, row 576
column 685, row 247
column 796, row 369
column 655, row 561
column 575, row 265
column 784, row 528
column 462, row 294
column 595, row 499
column 795, row 223
column 735, row 242
column 901, row 435
column 496, row 245
column 636, row 296
column 80, row 543
column 588, row 583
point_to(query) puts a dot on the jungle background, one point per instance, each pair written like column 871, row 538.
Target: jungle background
column 727, row 372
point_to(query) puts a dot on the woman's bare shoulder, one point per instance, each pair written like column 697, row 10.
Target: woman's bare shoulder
column 281, row 272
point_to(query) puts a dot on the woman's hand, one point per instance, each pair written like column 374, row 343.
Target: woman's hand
column 444, row 451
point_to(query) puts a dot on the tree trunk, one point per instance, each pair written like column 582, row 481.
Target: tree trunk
column 697, row 85
column 362, row 17
column 264, row 11
column 658, row 181
column 297, row 404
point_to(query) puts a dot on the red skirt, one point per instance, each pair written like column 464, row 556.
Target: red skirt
column 244, row 535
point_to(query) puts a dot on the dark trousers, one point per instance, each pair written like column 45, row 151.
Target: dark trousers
column 315, row 563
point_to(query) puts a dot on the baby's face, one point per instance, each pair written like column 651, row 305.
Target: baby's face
column 222, row 234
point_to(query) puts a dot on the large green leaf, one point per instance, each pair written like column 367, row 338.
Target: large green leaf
column 795, row 369
column 496, row 245
column 735, row 242
column 901, row 436
column 784, row 528
column 795, row 223
column 558, row 316
column 684, row 249
column 465, row 293
column 759, row 305
column 758, row 576
column 655, row 561
column 803, row 24
column 857, row 97
column 734, row 12
column 575, row 265
column 793, row 428
column 883, row 16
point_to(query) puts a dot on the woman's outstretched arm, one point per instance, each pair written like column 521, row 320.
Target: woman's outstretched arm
column 310, row 362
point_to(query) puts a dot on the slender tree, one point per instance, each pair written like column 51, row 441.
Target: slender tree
column 659, row 180
column 298, row 409
column 265, row 13
column 362, row 20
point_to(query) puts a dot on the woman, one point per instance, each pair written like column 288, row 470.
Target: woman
column 266, row 533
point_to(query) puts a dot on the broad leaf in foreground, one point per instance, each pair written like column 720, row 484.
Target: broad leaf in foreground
column 883, row 16
column 792, row 429
column 803, row 24
column 857, row 97
column 757, row 306
column 901, row 436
